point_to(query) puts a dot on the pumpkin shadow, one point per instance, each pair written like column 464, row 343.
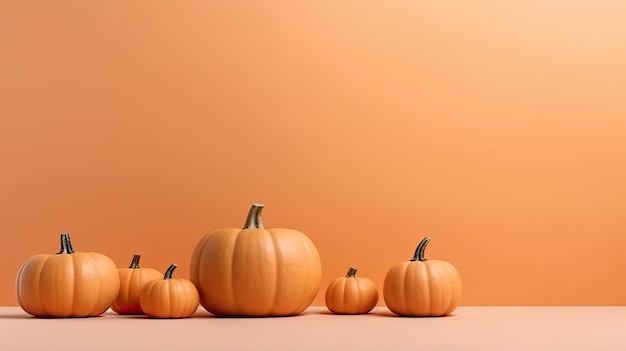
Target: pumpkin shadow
column 388, row 313
column 20, row 316
column 377, row 311
column 323, row 312
column 208, row 315
column 198, row 314
column 329, row 313
column 144, row 317
column 374, row 312
column 383, row 312
column 28, row 316
column 204, row 314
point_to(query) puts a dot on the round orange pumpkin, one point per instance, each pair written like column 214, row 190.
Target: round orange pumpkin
column 421, row 287
column 351, row 294
column 169, row 297
column 68, row 284
column 132, row 279
column 254, row 271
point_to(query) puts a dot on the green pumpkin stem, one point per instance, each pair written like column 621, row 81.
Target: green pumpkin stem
column 419, row 252
column 254, row 220
column 134, row 264
column 351, row 273
column 170, row 271
column 66, row 244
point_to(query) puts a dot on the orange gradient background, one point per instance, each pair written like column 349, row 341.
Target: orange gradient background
column 498, row 128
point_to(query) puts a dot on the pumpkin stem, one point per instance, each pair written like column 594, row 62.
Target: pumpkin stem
column 134, row 264
column 170, row 271
column 419, row 252
column 254, row 220
column 66, row 244
column 351, row 273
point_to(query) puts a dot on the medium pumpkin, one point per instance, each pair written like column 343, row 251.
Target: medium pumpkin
column 254, row 271
column 132, row 279
column 68, row 284
column 421, row 287
column 169, row 297
column 351, row 294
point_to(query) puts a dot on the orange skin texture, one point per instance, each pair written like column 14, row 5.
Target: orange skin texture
column 422, row 288
column 132, row 280
column 80, row 284
column 256, row 272
column 169, row 298
column 351, row 295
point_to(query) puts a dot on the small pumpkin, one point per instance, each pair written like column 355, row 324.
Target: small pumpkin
column 351, row 294
column 256, row 272
column 169, row 297
column 421, row 287
column 68, row 284
column 132, row 279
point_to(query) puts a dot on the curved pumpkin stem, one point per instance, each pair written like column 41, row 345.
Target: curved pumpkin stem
column 254, row 220
column 170, row 271
column 66, row 244
column 134, row 264
column 351, row 273
column 419, row 252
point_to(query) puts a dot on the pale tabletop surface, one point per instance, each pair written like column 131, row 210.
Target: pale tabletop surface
column 588, row 328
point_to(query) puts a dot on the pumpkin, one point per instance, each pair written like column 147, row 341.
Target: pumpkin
column 132, row 279
column 67, row 284
column 169, row 297
column 351, row 294
column 256, row 272
column 421, row 287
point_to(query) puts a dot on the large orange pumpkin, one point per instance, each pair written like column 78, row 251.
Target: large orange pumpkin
column 254, row 271
column 421, row 287
column 169, row 297
column 68, row 284
column 132, row 279
column 351, row 294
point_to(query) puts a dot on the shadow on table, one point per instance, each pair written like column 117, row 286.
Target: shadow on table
column 18, row 315
column 378, row 312
column 204, row 314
